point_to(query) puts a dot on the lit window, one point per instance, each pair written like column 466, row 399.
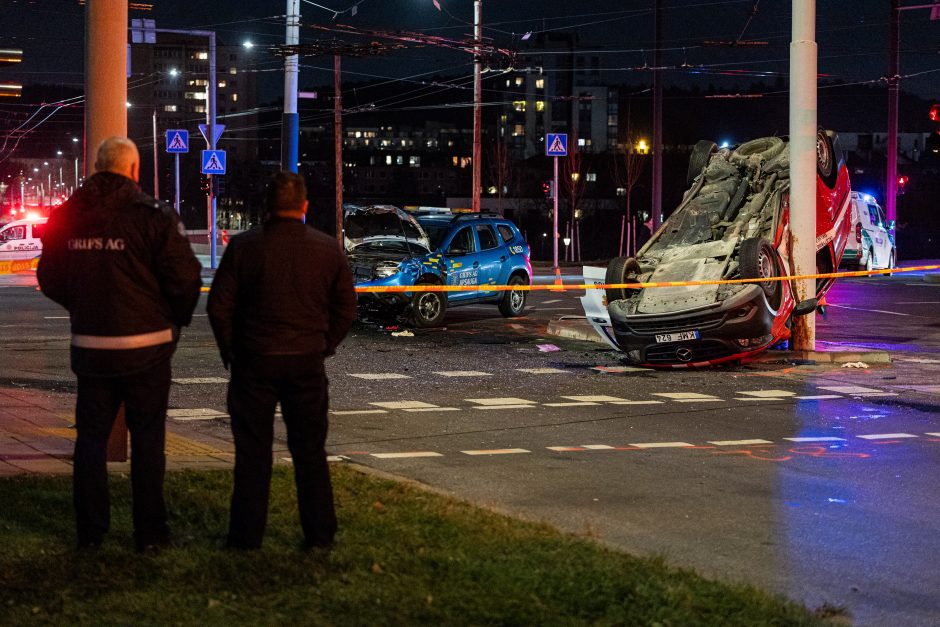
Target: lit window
column 195, row 95
column 199, row 108
column 518, row 105
column 581, row 141
column 465, row 162
column 222, row 84
column 232, row 70
column 198, row 82
column 388, row 159
column 591, row 176
column 540, row 105
column 414, row 161
column 399, row 160
column 169, row 108
column 202, row 56
column 518, row 130
column 575, row 176
column 519, row 81
column 507, row 82
column 540, row 83
column 621, row 191
column 358, row 134
column 503, row 118
column 234, row 97
column 455, row 160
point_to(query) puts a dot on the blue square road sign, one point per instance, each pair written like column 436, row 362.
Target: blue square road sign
column 556, row 144
column 177, row 140
column 213, row 162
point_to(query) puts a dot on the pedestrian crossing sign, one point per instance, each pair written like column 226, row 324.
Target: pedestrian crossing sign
column 213, row 162
column 556, row 144
column 177, row 140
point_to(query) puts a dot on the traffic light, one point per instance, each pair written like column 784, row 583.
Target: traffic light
column 934, row 112
column 548, row 188
column 903, row 180
column 204, row 183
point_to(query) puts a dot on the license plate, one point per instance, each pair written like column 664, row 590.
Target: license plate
column 677, row 337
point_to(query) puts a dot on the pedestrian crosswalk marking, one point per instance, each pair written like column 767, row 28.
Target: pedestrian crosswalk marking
column 595, row 399
column 429, row 409
column 543, row 370
column 887, row 436
column 498, row 451
column 688, row 397
column 353, row 412
column 406, row 455
column 499, row 401
column 379, row 376
column 204, row 413
column 199, row 380
column 815, row 439
column 854, row 390
column 818, row 397
column 738, row 442
column 660, row 444
column 572, row 404
column 768, row 393
column 403, row 405
column 463, row 373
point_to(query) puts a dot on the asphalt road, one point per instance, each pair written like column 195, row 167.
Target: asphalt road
column 817, row 482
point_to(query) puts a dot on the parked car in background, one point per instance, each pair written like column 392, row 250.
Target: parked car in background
column 733, row 223
column 387, row 246
column 871, row 243
column 21, row 239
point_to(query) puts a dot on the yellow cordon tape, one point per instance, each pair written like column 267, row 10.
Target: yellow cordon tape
column 19, row 265
column 553, row 287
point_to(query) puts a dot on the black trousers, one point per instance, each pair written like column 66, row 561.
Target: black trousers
column 144, row 395
column 300, row 384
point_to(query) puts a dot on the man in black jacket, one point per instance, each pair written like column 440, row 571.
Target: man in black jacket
column 119, row 262
column 282, row 300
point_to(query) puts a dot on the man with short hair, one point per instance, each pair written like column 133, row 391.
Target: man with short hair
column 119, row 262
column 282, row 300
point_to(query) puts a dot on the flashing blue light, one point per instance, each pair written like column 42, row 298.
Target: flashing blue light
column 868, row 197
column 725, row 144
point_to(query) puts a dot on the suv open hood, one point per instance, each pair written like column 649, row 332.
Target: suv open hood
column 381, row 223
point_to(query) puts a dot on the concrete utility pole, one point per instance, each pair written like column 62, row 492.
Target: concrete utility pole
column 803, row 127
column 893, row 78
column 477, row 102
column 105, row 73
column 657, row 120
column 290, row 120
column 338, row 145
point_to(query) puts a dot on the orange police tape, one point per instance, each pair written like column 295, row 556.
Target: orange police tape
column 18, row 265
column 555, row 287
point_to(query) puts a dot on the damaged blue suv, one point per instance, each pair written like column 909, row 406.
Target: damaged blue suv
column 388, row 246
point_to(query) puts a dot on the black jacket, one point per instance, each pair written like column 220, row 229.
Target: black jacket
column 119, row 262
column 282, row 288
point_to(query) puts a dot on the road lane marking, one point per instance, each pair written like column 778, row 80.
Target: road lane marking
column 887, row 436
column 660, row 444
column 56, row 317
column 549, row 302
column 379, row 376
column 854, row 390
column 814, row 439
column 893, row 313
column 598, row 447
column 936, row 435
column 595, row 399
column 819, row 397
column 738, row 442
column 571, row 404
column 406, row 455
column 507, row 400
column 403, row 405
column 688, row 397
column 354, row 412
column 564, row 449
column 199, row 380
column 768, row 393
column 463, row 373
column 497, row 451
column 543, row 370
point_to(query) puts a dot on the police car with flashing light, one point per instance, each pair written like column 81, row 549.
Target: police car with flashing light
column 871, row 243
column 387, row 246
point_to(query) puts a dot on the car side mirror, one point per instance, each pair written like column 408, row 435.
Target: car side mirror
column 804, row 307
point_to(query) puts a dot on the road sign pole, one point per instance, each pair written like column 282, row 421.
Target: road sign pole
column 176, row 198
column 555, row 217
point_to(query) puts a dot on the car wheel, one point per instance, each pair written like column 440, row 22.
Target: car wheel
column 428, row 308
column 826, row 159
column 513, row 301
column 620, row 270
column 757, row 260
column 766, row 147
column 701, row 153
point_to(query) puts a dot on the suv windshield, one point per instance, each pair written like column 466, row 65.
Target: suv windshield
column 394, row 246
column 436, row 233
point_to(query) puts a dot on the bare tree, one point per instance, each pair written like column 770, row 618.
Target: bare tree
column 628, row 166
column 501, row 170
column 573, row 182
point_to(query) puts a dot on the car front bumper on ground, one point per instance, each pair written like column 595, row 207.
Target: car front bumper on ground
column 729, row 330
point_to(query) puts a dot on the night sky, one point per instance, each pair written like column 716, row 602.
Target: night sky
column 852, row 37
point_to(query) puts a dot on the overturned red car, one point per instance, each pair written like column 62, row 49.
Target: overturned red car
column 733, row 223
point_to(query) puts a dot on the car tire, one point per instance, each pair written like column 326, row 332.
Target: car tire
column 513, row 301
column 826, row 165
column 620, row 270
column 870, row 261
column 428, row 308
column 757, row 259
column 766, row 147
column 701, row 153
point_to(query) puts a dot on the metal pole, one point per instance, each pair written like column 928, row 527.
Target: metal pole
column 555, row 217
column 290, row 120
column 657, row 182
column 105, row 73
column 477, row 102
column 803, row 66
column 338, row 145
column 210, row 130
column 176, row 197
column 156, row 177
column 891, row 175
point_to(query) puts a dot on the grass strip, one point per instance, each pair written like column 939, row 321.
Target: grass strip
column 403, row 557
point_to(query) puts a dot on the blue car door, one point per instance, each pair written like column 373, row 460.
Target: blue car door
column 492, row 258
column 463, row 263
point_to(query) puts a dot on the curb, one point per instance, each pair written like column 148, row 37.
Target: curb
column 582, row 330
